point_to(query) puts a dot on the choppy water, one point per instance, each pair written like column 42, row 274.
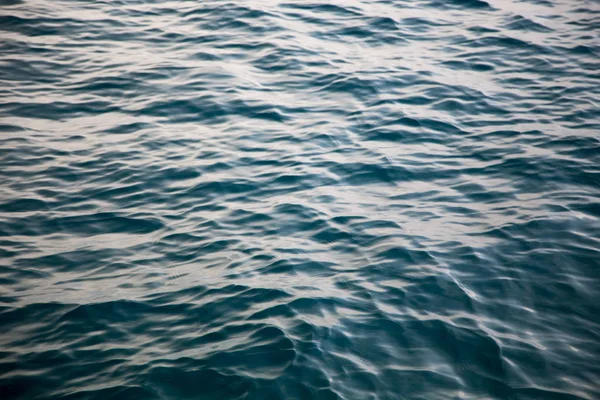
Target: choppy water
column 300, row 200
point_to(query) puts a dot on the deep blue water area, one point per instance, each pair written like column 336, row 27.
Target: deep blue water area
column 297, row 199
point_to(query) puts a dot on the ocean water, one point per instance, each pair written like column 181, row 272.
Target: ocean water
column 290, row 199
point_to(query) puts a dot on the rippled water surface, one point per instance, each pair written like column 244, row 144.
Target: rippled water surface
column 277, row 199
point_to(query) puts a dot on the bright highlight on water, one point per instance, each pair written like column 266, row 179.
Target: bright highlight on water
column 289, row 199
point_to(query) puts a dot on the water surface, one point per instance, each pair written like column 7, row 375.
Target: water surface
column 270, row 199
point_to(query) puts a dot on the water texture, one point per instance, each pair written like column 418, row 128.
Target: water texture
column 284, row 199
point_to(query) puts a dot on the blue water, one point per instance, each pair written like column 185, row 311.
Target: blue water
column 285, row 199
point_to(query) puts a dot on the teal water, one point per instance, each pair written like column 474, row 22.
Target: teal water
column 273, row 199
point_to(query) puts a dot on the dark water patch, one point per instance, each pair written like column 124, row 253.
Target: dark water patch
column 466, row 4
